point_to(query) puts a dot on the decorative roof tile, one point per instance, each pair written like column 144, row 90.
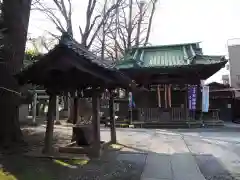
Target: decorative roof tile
column 106, row 69
column 68, row 41
column 166, row 56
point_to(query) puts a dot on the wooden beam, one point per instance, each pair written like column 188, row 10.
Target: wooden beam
column 96, row 125
column 112, row 119
column 50, row 125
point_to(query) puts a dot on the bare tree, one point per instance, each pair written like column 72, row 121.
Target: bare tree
column 95, row 18
column 133, row 28
column 109, row 30
column 150, row 21
column 60, row 15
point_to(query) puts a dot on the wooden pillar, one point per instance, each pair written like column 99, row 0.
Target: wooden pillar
column 75, row 110
column 57, row 111
column 75, row 114
column 69, row 106
column 50, row 125
column 112, row 119
column 165, row 96
column 159, row 96
column 186, row 102
column 96, row 151
column 34, row 108
column 169, row 96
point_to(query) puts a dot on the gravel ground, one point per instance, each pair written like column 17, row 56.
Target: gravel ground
column 15, row 164
column 217, row 153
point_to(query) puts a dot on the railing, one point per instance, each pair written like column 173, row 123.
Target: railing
column 178, row 114
column 161, row 114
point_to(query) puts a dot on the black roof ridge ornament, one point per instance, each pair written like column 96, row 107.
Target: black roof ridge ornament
column 65, row 38
column 70, row 42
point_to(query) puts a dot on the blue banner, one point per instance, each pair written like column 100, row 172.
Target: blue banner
column 192, row 97
column 131, row 103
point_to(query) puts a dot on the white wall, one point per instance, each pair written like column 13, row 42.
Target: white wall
column 234, row 61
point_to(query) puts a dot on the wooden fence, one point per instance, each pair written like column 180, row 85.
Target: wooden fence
column 160, row 114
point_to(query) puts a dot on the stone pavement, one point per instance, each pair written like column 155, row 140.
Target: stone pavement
column 170, row 160
column 171, row 167
column 163, row 156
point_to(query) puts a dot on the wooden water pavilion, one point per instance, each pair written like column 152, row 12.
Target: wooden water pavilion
column 167, row 72
column 70, row 68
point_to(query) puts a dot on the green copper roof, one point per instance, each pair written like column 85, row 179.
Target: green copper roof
column 166, row 56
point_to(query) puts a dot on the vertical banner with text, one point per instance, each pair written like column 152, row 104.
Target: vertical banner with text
column 205, row 98
column 192, row 97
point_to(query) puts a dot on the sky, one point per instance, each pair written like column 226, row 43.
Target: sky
column 212, row 22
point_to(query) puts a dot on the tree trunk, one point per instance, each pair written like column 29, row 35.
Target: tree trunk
column 139, row 23
column 150, row 22
column 15, row 20
column 129, row 33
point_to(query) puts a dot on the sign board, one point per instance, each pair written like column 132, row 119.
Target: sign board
column 205, row 98
column 192, row 97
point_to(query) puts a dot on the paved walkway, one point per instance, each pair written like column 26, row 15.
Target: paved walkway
column 171, row 167
column 164, row 156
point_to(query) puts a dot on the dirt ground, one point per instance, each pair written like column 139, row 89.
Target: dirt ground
column 15, row 165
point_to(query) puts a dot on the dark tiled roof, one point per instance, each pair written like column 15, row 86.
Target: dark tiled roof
column 68, row 41
column 82, row 57
column 72, row 44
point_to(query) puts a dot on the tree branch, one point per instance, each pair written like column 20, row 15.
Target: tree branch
column 150, row 21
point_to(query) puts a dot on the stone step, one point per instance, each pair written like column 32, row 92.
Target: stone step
column 171, row 124
column 216, row 123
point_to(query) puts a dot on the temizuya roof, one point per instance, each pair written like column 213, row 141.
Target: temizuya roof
column 69, row 65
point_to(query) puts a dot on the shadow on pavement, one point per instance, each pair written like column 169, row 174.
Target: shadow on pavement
column 210, row 166
column 213, row 169
column 125, row 164
column 15, row 165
